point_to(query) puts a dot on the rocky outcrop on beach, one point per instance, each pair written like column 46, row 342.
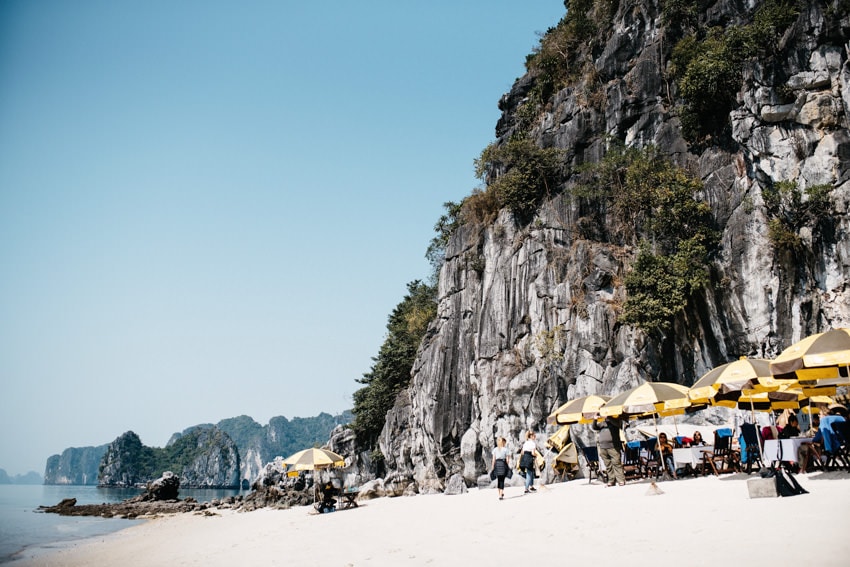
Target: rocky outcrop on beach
column 76, row 465
column 530, row 310
column 273, row 490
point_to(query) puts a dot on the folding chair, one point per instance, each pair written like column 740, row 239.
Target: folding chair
column 722, row 454
column 750, row 446
column 835, row 433
column 632, row 466
column 591, row 455
column 652, row 462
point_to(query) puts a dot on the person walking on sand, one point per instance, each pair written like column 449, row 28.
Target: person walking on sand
column 527, row 460
column 609, row 445
column 500, row 465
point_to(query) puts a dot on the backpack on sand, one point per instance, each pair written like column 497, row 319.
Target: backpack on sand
column 787, row 485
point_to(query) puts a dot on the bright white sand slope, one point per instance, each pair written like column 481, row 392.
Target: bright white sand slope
column 697, row 521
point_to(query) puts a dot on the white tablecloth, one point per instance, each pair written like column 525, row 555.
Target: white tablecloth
column 690, row 455
column 789, row 449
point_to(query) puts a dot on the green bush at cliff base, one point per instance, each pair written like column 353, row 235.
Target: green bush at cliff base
column 391, row 372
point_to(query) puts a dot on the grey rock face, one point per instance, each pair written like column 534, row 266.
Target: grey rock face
column 208, row 458
column 528, row 316
column 216, row 464
column 76, row 465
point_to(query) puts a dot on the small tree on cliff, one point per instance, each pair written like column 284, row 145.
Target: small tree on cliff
column 391, row 372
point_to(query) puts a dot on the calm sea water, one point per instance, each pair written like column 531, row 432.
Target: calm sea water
column 22, row 527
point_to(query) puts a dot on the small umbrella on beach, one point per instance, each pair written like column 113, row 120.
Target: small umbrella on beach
column 311, row 459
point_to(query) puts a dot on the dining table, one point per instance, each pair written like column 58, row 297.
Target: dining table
column 690, row 455
column 348, row 498
column 777, row 450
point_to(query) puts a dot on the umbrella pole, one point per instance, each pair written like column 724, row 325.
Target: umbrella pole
column 761, row 451
column 661, row 463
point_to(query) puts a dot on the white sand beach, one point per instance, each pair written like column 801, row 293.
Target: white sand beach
column 697, row 521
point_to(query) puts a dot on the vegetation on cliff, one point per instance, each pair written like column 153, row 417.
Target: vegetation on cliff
column 707, row 64
column 652, row 204
column 390, row 374
column 790, row 209
column 128, row 462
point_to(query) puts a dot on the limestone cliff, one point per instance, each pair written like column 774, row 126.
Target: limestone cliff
column 76, row 465
column 202, row 458
column 530, row 311
column 260, row 444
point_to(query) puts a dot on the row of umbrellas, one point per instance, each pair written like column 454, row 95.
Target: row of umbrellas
column 803, row 374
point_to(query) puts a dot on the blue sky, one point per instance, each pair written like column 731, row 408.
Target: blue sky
column 209, row 209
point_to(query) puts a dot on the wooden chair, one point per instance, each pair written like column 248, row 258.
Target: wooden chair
column 752, row 445
column 836, row 451
column 652, row 462
column 591, row 455
column 632, row 465
column 722, row 458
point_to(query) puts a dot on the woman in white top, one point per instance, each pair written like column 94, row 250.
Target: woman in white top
column 500, row 465
column 526, row 461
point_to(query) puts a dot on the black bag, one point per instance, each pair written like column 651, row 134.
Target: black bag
column 787, row 485
column 493, row 474
column 510, row 473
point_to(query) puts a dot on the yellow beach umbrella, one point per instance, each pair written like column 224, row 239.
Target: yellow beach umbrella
column 818, row 404
column 823, row 356
column 650, row 398
column 560, row 439
column 784, row 398
column 724, row 384
column 311, row 459
column 579, row 410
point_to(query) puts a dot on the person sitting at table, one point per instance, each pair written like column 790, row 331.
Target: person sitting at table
column 791, row 429
column 328, row 501
column 666, row 450
column 697, row 440
column 813, row 447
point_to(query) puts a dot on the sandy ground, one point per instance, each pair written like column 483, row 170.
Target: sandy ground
column 696, row 521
